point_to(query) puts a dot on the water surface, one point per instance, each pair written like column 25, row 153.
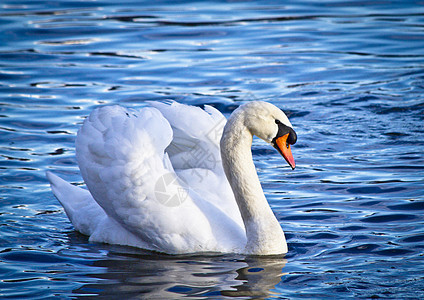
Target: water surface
column 350, row 75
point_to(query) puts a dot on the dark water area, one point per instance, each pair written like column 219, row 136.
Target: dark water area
column 350, row 75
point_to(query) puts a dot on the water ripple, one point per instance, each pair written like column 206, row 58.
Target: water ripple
column 349, row 75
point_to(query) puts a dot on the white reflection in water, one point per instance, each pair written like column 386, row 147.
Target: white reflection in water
column 156, row 276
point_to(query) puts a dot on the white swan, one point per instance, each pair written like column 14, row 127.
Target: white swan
column 156, row 180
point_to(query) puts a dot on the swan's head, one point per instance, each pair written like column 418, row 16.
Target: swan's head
column 269, row 123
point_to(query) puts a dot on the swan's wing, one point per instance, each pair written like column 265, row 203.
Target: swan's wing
column 196, row 135
column 121, row 155
column 195, row 152
column 115, row 151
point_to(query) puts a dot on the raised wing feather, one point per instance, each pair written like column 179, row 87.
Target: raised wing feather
column 196, row 135
column 195, row 153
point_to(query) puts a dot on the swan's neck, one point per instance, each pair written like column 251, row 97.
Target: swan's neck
column 264, row 233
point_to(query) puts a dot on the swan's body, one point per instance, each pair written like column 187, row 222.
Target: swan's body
column 156, row 181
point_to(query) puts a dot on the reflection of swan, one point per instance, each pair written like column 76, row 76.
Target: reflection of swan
column 126, row 274
column 156, row 180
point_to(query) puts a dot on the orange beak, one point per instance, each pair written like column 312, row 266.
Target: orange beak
column 285, row 150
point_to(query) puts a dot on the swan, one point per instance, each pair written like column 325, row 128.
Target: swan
column 176, row 179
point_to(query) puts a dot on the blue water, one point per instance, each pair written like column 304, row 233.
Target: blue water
column 350, row 74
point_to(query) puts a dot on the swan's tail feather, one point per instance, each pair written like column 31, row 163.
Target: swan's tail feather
column 80, row 207
column 62, row 189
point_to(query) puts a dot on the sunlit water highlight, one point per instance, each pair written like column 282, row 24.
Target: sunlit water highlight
column 350, row 74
